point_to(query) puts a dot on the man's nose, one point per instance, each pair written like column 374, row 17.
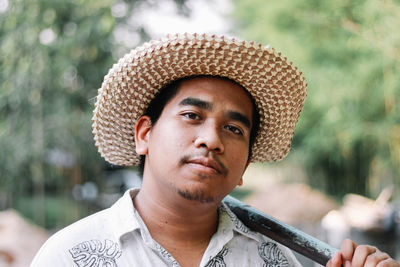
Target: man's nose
column 210, row 138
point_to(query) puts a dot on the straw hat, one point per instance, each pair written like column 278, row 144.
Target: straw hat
column 278, row 88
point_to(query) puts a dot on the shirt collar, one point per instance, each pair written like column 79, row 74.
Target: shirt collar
column 127, row 219
column 125, row 215
column 232, row 223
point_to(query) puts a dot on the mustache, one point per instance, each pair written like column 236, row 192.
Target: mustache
column 187, row 158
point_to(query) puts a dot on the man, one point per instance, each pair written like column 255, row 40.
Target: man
column 195, row 110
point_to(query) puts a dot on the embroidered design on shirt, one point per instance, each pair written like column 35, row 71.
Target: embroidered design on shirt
column 94, row 253
column 272, row 255
column 218, row 260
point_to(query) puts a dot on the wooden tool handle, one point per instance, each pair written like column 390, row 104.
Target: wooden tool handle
column 284, row 234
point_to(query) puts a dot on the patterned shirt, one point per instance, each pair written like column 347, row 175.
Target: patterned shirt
column 117, row 236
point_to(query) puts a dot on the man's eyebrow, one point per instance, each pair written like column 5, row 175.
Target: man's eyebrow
column 192, row 101
column 234, row 115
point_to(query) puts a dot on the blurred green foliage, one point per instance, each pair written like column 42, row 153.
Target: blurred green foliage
column 54, row 55
column 348, row 137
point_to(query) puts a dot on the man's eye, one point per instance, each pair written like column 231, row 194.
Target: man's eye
column 234, row 129
column 191, row 115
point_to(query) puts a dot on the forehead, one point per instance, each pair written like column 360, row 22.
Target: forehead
column 222, row 92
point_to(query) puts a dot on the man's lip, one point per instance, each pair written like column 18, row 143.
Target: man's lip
column 207, row 162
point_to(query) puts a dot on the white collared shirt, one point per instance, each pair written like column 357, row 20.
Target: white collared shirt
column 117, row 236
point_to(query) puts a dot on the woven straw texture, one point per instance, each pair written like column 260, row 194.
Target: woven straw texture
column 278, row 88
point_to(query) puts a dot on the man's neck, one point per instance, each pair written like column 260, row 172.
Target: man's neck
column 183, row 227
column 185, row 220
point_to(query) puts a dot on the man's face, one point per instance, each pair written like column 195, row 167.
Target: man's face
column 199, row 146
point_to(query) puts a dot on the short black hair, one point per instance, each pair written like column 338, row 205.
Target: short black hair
column 167, row 92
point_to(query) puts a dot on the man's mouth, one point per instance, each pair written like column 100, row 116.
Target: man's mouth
column 206, row 162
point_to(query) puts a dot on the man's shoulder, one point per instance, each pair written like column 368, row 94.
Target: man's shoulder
column 87, row 225
column 257, row 245
column 91, row 231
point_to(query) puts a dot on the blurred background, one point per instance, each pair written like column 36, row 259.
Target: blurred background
column 341, row 176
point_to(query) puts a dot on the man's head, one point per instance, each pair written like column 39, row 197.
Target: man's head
column 158, row 103
column 277, row 87
column 199, row 145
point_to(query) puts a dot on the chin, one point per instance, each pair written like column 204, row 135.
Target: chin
column 197, row 195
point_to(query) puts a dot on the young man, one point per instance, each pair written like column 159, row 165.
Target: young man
column 197, row 110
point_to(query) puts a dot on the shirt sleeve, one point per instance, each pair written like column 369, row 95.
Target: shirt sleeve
column 50, row 254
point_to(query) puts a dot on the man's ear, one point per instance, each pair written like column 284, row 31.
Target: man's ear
column 142, row 132
column 241, row 178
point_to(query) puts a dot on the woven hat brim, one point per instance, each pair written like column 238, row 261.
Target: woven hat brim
column 278, row 88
